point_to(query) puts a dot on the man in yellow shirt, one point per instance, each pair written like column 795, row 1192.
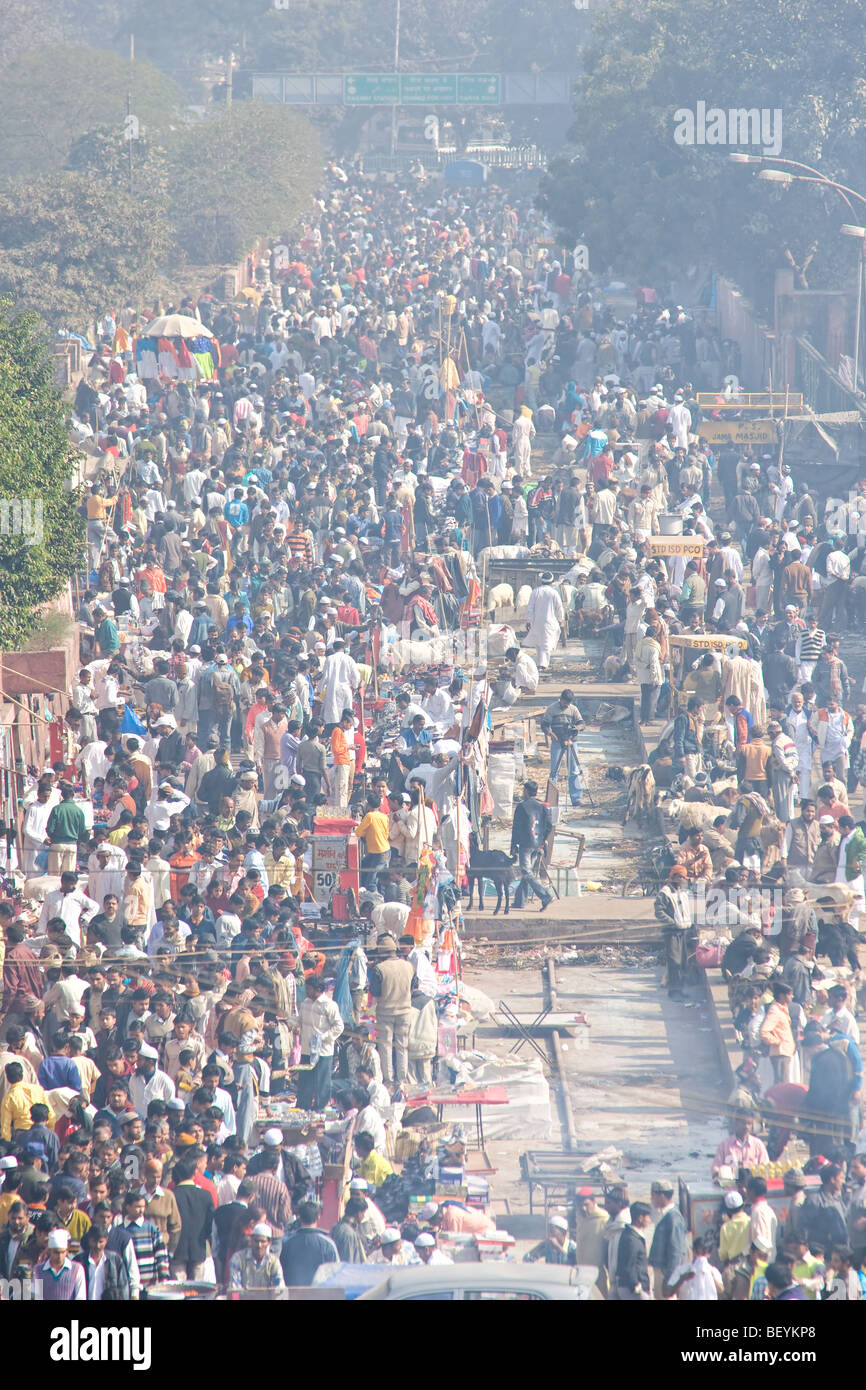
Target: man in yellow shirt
column 76, row 1222
column 734, row 1234
column 373, row 830
column 280, row 865
column 15, row 1106
column 374, row 1169
column 137, row 898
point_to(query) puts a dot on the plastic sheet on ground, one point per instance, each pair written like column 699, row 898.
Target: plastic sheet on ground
column 500, row 783
column 527, row 1114
column 476, row 1003
column 500, row 638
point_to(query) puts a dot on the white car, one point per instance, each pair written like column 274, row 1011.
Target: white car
column 486, row 1282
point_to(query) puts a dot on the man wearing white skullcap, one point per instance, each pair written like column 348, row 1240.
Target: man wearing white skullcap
column 149, row 1082
column 393, row 1250
column 558, row 1248
column 371, row 1222
column 62, row 1279
column 425, row 1245
column 256, row 1267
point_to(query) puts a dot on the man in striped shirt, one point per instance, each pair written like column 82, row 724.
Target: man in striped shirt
column 809, row 647
column 273, row 1193
column 300, row 544
column 150, row 1251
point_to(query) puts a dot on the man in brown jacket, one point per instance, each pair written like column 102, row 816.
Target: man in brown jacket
column 802, row 837
column 391, row 984
column 826, row 856
column 160, row 1205
column 796, row 582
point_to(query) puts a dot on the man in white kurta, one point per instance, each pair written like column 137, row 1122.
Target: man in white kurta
column 341, row 679
column 798, row 726
column 522, row 435
column 742, row 677
column 106, row 872
column 34, row 829
column 680, row 421
column 546, row 616
column 526, row 674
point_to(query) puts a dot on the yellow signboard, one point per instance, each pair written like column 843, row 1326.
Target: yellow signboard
column 693, row 546
column 711, row 641
column 738, row 431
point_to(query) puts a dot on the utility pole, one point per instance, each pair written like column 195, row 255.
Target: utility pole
column 230, row 63
column 857, row 323
column 129, row 124
column 396, row 70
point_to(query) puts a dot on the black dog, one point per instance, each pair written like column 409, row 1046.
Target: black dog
column 496, row 865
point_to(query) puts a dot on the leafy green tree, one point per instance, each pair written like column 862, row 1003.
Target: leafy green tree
column 179, row 36
column 72, row 246
column 656, row 206
column 104, row 154
column 249, row 171
column 23, row 20
column 51, row 96
column 36, row 466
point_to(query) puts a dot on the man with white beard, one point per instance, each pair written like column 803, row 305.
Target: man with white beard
column 797, row 725
column 106, row 868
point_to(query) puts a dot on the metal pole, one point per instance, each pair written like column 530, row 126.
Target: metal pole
column 396, row 70
column 129, row 140
column 857, row 316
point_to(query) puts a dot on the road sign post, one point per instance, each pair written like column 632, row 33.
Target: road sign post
column 422, row 89
column 428, row 89
column 371, row 89
column 478, row 89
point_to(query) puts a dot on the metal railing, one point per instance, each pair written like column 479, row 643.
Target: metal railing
column 764, row 401
column 823, row 388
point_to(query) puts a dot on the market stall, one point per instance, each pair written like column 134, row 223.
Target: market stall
column 176, row 347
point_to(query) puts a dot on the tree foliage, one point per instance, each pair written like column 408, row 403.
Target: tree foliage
column 72, row 246
column 75, row 243
column 653, row 204
column 50, row 96
column 36, row 465
column 23, row 20
column 175, row 35
column 247, row 172
column 355, row 35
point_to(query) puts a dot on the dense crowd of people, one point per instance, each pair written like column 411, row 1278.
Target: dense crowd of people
column 291, row 509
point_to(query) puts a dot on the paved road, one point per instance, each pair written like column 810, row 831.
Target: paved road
column 646, row 1079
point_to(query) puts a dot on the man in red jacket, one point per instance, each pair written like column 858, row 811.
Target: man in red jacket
column 21, row 975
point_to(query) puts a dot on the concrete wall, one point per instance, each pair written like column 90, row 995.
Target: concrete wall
column 45, row 672
column 739, row 320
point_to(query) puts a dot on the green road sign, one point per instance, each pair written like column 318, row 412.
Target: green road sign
column 371, row 89
column 422, row 89
column 478, row 87
column 428, row 89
